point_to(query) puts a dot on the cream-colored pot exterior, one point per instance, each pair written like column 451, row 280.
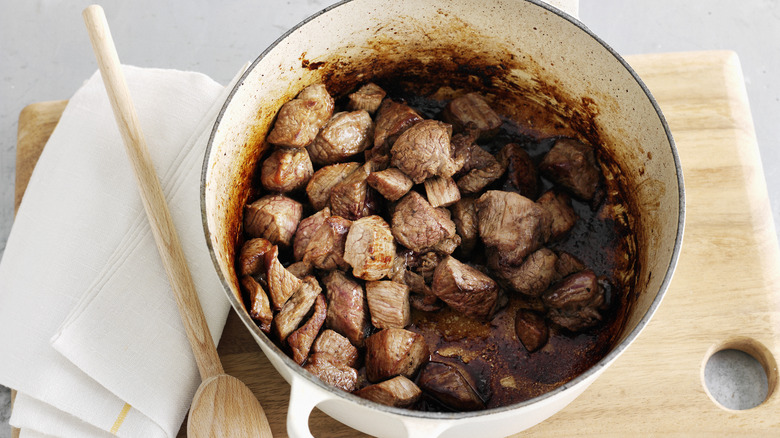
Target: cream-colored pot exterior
column 501, row 46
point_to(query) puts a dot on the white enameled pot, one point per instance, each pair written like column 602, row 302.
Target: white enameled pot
column 526, row 55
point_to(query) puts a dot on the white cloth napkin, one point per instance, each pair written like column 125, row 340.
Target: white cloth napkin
column 90, row 334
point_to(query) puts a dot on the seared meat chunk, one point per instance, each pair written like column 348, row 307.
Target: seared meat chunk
column 533, row 276
column 565, row 265
column 452, row 385
column 576, row 301
column 332, row 371
column 398, row 391
column 464, row 214
column 296, row 308
column 368, row 98
column 417, row 225
column 306, row 230
column 562, row 215
column 392, row 119
column 394, row 351
column 464, row 288
column 572, row 164
column 424, row 150
column 251, row 259
column 426, row 264
column 281, row 283
column 388, row 303
column 472, row 108
column 521, row 175
column 481, row 169
column 260, row 308
column 301, row 269
column 273, row 217
column 322, row 182
column 286, row 170
column 337, row 346
column 531, row 329
column 326, row 246
column 441, row 192
column 300, row 340
column 390, row 183
column 300, row 119
column 346, row 134
column 370, row 248
column 347, row 308
column 511, row 224
column 352, row 198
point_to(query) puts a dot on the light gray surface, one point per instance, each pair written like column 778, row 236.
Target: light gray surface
column 45, row 55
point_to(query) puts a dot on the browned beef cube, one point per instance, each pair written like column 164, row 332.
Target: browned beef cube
column 451, row 385
column 332, row 371
column 390, row 183
column 441, row 192
column 398, row 391
column 472, row 108
column 251, row 258
column 296, row 308
column 306, row 230
column 426, row 302
column 393, row 352
column 464, row 214
column 286, row 170
column 388, row 303
column 576, row 301
column 322, row 182
column 338, row 346
column 300, row 340
column 368, row 98
column 511, row 224
column 424, row 150
column 347, row 307
column 301, row 269
column 417, row 225
column 572, row 164
column 326, row 246
column 480, row 167
column 352, row 198
column 392, row 119
column 427, row 263
column 562, row 215
column 300, row 119
column 260, row 308
column 531, row 329
column 370, row 248
column 281, row 283
column 448, row 245
column 565, row 265
column 521, row 175
column 464, row 288
column 273, row 217
column 346, row 134
column 533, row 276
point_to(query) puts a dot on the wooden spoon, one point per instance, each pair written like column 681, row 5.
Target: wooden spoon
column 223, row 406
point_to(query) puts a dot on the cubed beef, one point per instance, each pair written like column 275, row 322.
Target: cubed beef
column 521, row 175
column 424, row 150
column 472, row 108
column 533, row 276
column 565, row 265
column 347, row 307
column 575, row 302
column 332, row 371
column 572, row 165
column 441, row 192
column 251, row 258
column 531, row 329
column 388, row 303
column 286, row 170
column 480, row 167
column 392, row 119
column 260, row 307
column 370, row 248
column 346, row 134
column 300, row 119
column 306, row 230
column 392, row 352
column 300, row 340
column 296, row 308
column 281, row 283
column 464, row 288
column 427, row 263
column 338, row 346
column 368, row 98
column 417, row 225
column 451, row 385
column 273, row 217
column 301, row 269
column 352, row 198
column 399, row 392
column 464, row 214
column 390, row 183
column 562, row 215
column 322, row 182
column 326, row 246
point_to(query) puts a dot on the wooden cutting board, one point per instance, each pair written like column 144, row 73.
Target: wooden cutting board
column 725, row 293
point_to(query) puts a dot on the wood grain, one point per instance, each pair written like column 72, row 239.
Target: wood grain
column 725, row 293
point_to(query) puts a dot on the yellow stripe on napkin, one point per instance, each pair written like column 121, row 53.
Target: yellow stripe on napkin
column 120, row 419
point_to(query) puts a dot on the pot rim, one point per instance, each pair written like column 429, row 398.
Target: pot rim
column 596, row 368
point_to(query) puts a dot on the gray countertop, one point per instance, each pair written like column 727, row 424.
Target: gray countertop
column 45, row 55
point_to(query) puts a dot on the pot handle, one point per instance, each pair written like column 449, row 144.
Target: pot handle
column 571, row 7
column 302, row 402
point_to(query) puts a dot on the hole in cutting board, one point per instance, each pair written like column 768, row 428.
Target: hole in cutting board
column 739, row 374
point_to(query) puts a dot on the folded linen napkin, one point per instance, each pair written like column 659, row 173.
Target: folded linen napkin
column 90, row 334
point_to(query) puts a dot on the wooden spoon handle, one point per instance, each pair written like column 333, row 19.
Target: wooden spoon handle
column 164, row 232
